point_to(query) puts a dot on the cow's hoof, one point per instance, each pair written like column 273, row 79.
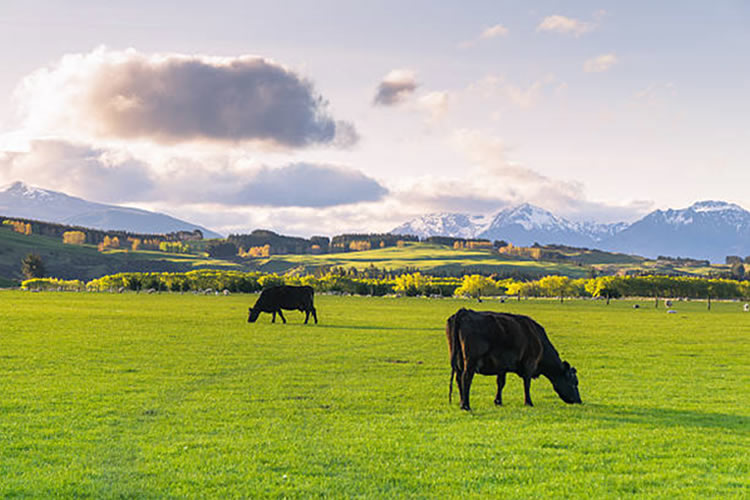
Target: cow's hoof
column 498, row 402
column 465, row 408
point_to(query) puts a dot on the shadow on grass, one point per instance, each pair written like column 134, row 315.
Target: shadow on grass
column 668, row 417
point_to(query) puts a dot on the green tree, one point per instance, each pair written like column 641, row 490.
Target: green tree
column 738, row 270
column 32, row 266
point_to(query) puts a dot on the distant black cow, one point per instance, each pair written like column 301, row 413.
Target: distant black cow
column 274, row 299
column 491, row 343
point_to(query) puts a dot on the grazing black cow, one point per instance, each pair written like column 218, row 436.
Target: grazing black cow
column 274, row 299
column 492, row 343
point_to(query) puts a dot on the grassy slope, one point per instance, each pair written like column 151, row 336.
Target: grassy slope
column 84, row 261
column 177, row 396
column 426, row 257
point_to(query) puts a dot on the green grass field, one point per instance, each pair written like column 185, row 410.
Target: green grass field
column 428, row 258
column 159, row 396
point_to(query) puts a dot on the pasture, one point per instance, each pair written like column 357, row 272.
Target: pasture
column 154, row 396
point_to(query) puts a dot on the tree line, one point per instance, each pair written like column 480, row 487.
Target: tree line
column 413, row 284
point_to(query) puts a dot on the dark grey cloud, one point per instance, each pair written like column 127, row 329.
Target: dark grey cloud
column 309, row 185
column 176, row 98
column 396, row 87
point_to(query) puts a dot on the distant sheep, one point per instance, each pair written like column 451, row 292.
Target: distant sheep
column 636, row 306
column 746, row 307
column 667, row 303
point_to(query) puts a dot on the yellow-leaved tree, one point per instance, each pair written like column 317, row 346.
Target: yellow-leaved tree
column 476, row 286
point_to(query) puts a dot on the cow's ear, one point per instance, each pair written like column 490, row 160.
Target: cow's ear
column 566, row 365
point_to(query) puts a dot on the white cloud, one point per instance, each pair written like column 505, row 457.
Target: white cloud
column 173, row 98
column 92, row 173
column 565, row 25
column 600, row 64
column 396, row 87
column 489, row 33
column 494, row 32
column 435, row 103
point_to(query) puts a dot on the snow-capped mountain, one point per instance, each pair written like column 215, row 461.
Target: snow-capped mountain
column 527, row 224
column 21, row 200
column 705, row 230
column 521, row 225
column 443, row 224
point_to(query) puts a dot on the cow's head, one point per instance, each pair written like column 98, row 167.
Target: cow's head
column 566, row 384
column 252, row 315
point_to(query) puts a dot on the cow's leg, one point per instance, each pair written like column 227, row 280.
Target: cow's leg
column 315, row 315
column 527, row 391
column 273, row 317
column 307, row 316
column 459, row 384
column 466, row 378
column 281, row 316
column 500, row 385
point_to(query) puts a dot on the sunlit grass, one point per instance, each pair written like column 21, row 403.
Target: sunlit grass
column 427, row 258
column 107, row 395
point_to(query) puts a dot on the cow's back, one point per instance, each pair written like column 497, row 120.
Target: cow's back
column 502, row 341
column 286, row 297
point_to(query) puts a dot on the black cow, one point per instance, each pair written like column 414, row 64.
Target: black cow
column 274, row 299
column 491, row 343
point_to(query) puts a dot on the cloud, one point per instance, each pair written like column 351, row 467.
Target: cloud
column 435, row 103
column 494, row 32
column 494, row 181
column 109, row 175
column 396, row 87
column 92, row 173
column 565, row 25
column 172, row 98
column 308, row 185
column 600, row 64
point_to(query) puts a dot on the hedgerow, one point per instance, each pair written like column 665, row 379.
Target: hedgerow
column 410, row 284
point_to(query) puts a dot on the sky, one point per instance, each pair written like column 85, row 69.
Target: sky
column 325, row 117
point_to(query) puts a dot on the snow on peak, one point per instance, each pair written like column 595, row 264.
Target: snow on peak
column 714, row 206
column 530, row 217
column 443, row 224
column 20, row 188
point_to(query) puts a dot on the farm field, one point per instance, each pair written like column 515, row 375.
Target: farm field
column 159, row 396
column 428, row 258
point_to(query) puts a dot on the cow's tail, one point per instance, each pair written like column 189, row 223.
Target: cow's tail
column 451, row 332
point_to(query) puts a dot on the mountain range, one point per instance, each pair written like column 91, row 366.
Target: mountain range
column 705, row 230
column 21, row 200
